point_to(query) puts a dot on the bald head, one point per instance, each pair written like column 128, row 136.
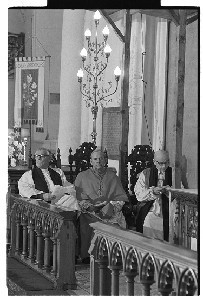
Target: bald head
column 97, row 150
column 161, row 156
column 161, row 159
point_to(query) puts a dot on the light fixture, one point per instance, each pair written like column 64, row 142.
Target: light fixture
column 117, row 73
column 94, row 61
column 97, row 16
column 83, row 54
column 105, row 32
column 80, row 75
column 88, row 34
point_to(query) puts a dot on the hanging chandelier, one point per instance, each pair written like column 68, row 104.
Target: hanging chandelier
column 94, row 63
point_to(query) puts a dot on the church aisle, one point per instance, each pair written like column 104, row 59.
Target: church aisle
column 23, row 281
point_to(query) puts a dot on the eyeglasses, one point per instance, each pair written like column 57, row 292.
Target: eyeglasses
column 162, row 163
column 39, row 156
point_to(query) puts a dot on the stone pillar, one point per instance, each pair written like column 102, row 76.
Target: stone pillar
column 70, row 96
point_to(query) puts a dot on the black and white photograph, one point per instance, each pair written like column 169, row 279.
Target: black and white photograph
column 102, row 151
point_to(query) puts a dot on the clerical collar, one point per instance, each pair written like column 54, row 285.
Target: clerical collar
column 45, row 170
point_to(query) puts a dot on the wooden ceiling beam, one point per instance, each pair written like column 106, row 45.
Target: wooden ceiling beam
column 106, row 16
column 175, row 18
column 168, row 14
column 192, row 19
column 124, row 102
column 180, row 99
column 118, row 15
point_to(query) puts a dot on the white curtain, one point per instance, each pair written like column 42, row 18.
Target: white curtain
column 135, row 97
column 160, row 84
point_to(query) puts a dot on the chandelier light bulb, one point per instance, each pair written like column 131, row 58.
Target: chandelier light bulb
column 107, row 50
column 105, row 31
column 87, row 33
column 97, row 16
column 83, row 53
column 80, row 74
column 117, row 71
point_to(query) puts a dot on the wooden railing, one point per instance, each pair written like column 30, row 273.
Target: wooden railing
column 183, row 212
column 44, row 237
column 171, row 268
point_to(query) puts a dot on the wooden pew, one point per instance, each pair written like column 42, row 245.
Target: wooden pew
column 44, row 238
column 173, row 270
column 183, row 217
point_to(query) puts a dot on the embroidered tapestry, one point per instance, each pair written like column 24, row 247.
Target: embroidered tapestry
column 29, row 91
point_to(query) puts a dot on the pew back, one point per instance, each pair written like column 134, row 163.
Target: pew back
column 44, row 238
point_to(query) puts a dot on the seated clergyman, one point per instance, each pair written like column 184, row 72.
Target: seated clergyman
column 100, row 196
column 47, row 184
column 151, row 192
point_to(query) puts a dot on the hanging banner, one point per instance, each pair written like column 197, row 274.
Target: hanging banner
column 29, row 91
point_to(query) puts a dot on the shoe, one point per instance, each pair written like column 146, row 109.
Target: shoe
column 86, row 260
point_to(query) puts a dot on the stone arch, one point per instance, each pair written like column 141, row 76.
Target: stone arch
column 167, row 278
column 132, row 261
column 116, row 255
column 188, row 284
column 102, row 250
column 148, row 269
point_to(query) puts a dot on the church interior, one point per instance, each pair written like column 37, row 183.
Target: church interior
column 125, row 81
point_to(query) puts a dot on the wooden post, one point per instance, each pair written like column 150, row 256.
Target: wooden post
column 104, row 288
column 130, row 279
column 47, row 248
column 40, row 246
column 17, row 246
column 54, row 268
column 31, row 240
column 115, row 272
column 58, row 158
column 124, row 101
column 180, row 99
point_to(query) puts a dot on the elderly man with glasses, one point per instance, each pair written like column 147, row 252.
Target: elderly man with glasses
column 39, row 183
column 151, row 192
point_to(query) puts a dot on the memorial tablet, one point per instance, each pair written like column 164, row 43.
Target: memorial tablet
column 111, row 131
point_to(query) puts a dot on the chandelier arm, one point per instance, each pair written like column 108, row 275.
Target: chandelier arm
column 90, row 73
column 102, row 98
column 85, row 95
column 102, row 69
column 101, row 47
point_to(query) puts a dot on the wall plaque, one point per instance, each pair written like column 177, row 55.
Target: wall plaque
column 111, row 131
column 54, row 98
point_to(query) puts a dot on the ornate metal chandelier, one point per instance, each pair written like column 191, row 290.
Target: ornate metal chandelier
column 95, row 61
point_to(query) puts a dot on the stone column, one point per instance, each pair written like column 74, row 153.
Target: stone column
column 70, row 96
